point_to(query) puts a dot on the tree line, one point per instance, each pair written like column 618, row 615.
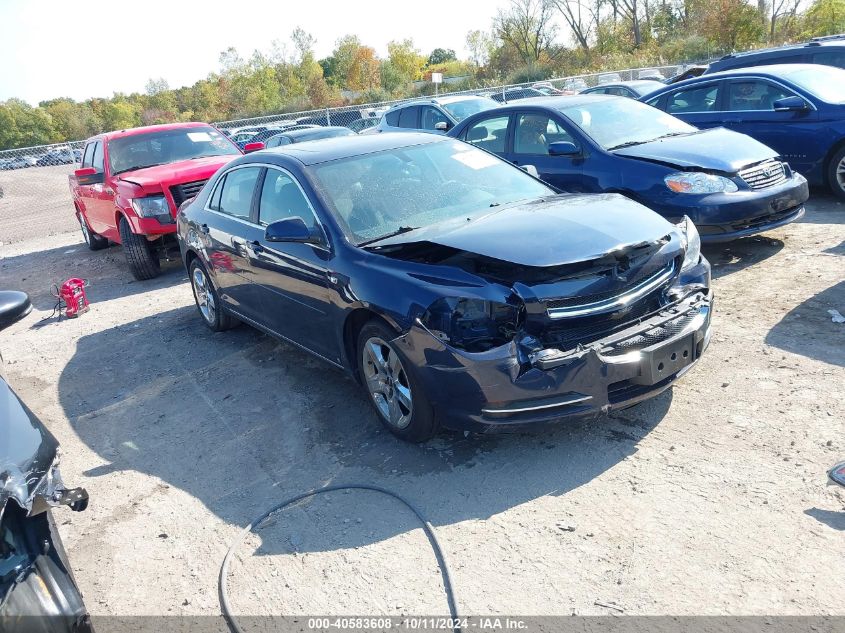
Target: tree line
column 528, row 40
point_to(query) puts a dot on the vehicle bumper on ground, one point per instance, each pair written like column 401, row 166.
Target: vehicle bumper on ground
column 720, row 217
column 506, row 388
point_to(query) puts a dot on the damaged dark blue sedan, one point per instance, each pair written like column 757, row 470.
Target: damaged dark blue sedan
column 460, row 291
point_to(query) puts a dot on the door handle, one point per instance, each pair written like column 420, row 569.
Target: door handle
column 204, row 228
column 255, row 245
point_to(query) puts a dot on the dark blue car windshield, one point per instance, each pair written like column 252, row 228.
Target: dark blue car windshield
column 412, row 187
column 616, row 122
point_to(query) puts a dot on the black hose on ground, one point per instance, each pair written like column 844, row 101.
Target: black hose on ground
column 427, row 527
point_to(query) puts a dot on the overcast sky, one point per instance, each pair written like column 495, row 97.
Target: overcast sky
column 93, row 48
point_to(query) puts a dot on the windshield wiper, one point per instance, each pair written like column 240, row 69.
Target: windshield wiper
column 628, row 144
column 399, row 231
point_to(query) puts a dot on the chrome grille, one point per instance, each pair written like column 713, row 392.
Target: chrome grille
column 186, row 190
column 762, row 175
column 607, row 302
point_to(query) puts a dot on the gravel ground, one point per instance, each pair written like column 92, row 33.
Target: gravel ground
column 709, row 499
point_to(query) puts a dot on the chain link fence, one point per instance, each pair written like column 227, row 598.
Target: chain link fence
column 35, row 199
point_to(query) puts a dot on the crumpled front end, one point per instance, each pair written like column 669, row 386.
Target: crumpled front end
column 581, row 353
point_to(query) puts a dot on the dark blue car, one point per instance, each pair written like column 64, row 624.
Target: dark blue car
column 796, row 109
column 729, row 184
column 459, row 290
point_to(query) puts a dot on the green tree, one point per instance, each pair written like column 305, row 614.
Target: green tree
column 824, row 17
column 441, row 56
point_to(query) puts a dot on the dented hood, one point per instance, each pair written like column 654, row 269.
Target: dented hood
column 554, row 231
column 176, row 173
column 27, row 450
column 716, row 150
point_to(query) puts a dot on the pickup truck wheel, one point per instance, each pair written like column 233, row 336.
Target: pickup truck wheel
column 836, row 173
column 95, row 242
column 143, row 261
column 208, row 301
column 394, row 391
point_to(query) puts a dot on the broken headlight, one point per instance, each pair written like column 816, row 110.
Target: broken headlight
column 474, row 325
column 691, row 242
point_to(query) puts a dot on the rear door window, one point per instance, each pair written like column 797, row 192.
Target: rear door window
column 408, row 117
column 699, row 99
column 392, row 118
column 489, row 134
column 236, row 193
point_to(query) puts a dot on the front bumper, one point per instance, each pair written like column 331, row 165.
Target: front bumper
column 721, row 217
column 150, row 226
column 507, row 387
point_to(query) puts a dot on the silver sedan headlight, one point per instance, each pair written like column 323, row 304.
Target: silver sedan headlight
column 698, row 182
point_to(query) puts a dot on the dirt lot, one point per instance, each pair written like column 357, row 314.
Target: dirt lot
column 710, row 499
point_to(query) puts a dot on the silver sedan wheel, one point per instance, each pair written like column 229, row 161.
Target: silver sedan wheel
column 387, row 382
column 840, row 174
column 204, row 295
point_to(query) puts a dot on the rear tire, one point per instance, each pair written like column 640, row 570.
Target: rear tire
column 143, row 261
column 208, row 301
column 95, row 242
column 836, row 173
column 399, row 400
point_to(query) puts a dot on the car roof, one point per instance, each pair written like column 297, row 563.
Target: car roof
column 825, row 41
column 437, row 100
column 310, row 131
column 324, row 150
column 642, row 83
column 558, row 102
column 164, row 127
column 772, row 71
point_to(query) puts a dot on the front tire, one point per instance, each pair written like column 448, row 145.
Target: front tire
column 397, row 396
column 836, row 173
column 95, row 242
column 143, row 260
column 208, row 301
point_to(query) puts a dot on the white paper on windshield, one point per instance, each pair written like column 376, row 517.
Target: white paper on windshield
column 476, row 159
column 199, row 137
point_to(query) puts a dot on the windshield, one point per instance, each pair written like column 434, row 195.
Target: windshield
column 383, row 193
column 466, row 107
column 168, row 146
column 825, row 82
column 613, row 123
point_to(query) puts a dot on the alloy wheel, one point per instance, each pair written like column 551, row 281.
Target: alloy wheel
column 387, row 381
column 204, row 295
column 840, row 173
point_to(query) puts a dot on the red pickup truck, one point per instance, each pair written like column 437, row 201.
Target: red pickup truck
column 131, row 183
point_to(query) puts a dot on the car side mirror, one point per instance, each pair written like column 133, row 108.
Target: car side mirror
column 790, row 104
column 290, row 230
column 253, row 147
column 563, row 148
column 530, row 169
column 441, row 126
column 88, row 176
column 14, row 305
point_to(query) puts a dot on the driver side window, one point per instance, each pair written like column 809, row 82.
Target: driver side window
column 431, row 117
column 282, row 198
column 534, row 133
